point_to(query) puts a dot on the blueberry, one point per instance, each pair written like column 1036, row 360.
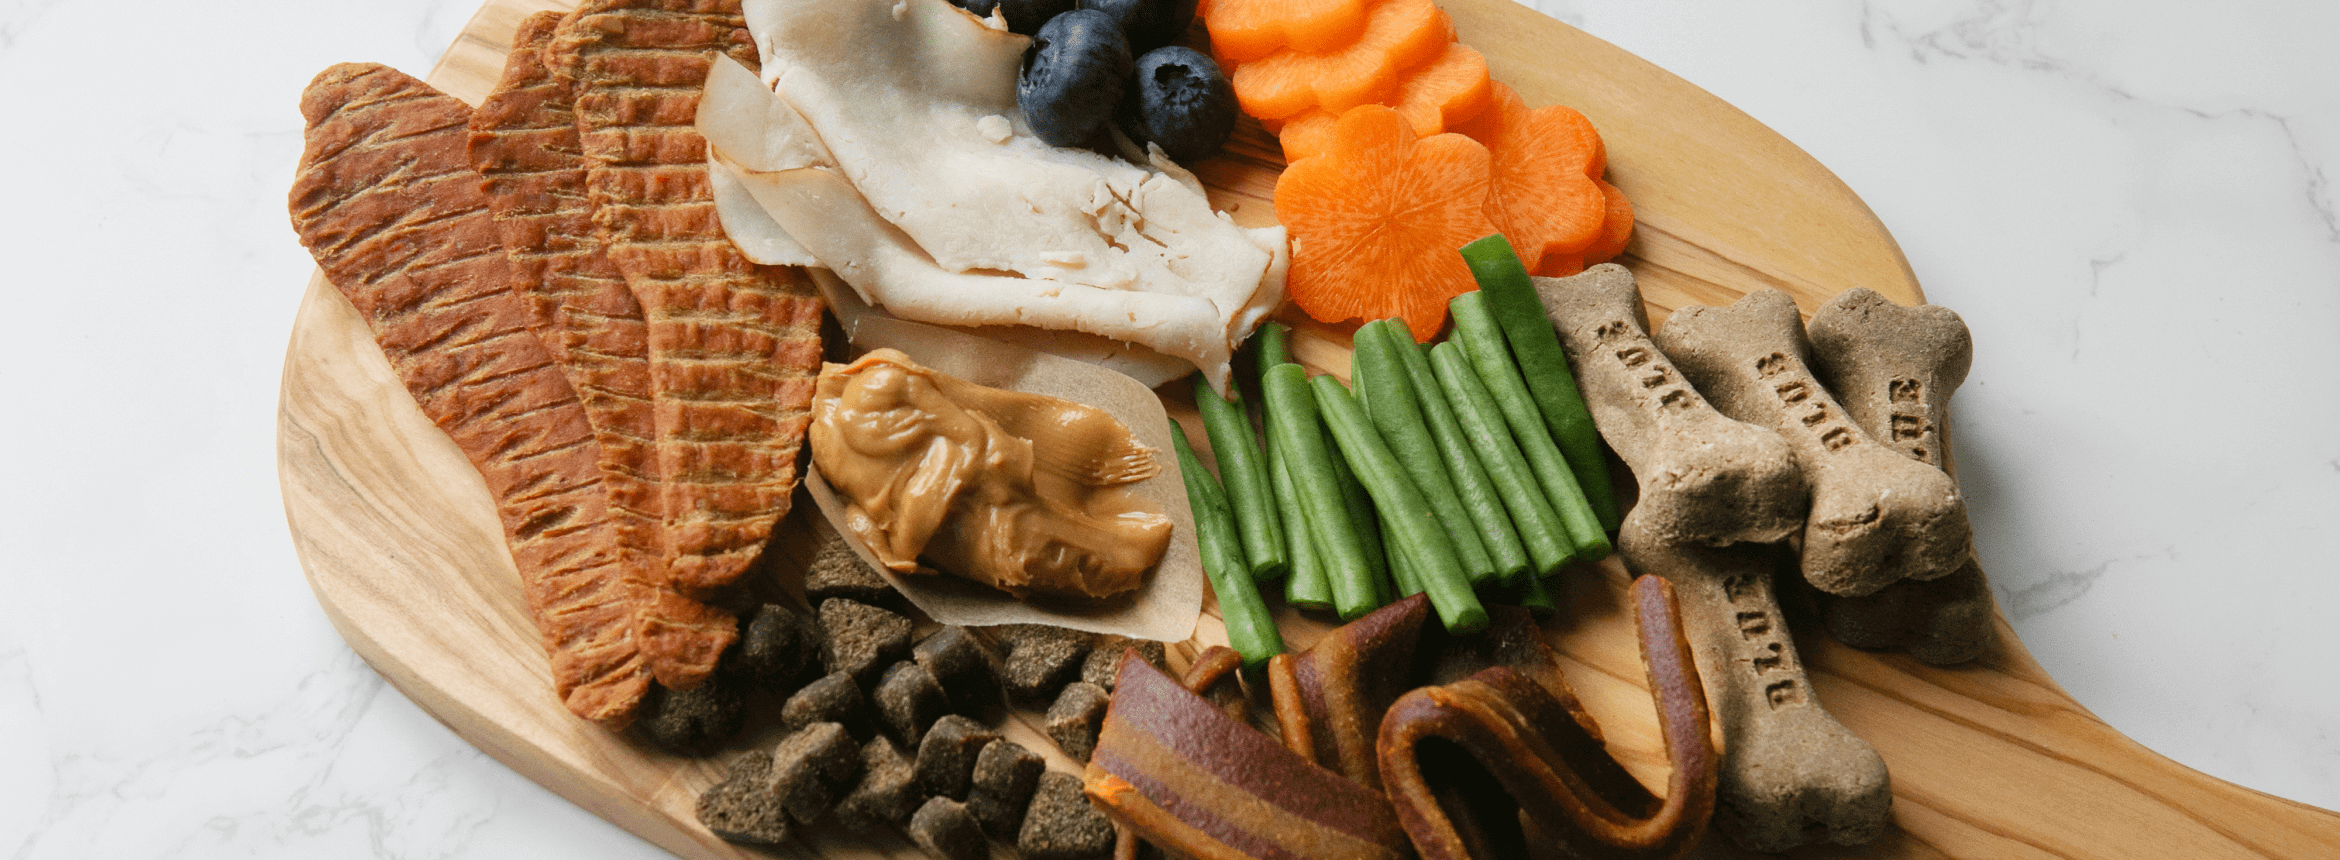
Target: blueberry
column 1180, row 100
column 1147, row 24
column 1023, row 16
column 1072, row 77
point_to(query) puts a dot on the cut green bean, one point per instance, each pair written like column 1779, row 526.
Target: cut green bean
column 1535, row 594
column 1401, row 567
column 1482, row 341
column 1293, row 421
column 1511, row 297
column 1397, row 413
column 1474, row 505
column 1360, row 505
column 1307, row 587
column 1243, row 471
column 1507, row 465
column 1529, row 521
column 1416, row 529
column 1250, row 629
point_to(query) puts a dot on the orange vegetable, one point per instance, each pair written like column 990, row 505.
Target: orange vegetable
column 1616, row 230
column 1375, row 221
column 1399, row 36
column 1546, row 197
column 1435, row 97
column 1245, row 30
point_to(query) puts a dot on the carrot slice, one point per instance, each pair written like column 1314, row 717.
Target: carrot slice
column 1545, row 197
column 1400, row 35
column 1616, row 231
column 1306, row 133
column 1448, row 92
column 1375, row 221
column 1245, row 30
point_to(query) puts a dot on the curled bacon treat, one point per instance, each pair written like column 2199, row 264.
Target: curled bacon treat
column 1330, row 699
column 1522, row 750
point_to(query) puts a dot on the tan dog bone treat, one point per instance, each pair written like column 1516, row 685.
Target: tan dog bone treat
column 1876, row 516
column 1894, row 368
column 1791, row 774
column 1705, row 478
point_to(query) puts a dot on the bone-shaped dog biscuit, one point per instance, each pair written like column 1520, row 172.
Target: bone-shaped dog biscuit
column 1791, row 774
column 1705, row 478
column 1876, row 516
column 1894, row 368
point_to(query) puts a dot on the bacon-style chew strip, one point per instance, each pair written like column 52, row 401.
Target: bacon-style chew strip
column 1523, row 751
column 733, row 346
column 1181, row 774
column 387, row 202
column 1329, row 700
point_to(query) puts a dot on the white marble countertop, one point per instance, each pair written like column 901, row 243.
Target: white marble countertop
column 2132, row 204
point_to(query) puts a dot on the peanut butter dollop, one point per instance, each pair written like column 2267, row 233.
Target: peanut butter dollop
column 1022, row 492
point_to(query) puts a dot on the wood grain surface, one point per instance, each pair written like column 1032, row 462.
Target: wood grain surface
column 1989, row 760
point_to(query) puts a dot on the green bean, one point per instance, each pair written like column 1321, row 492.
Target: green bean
column 1307, row 587
column 1250, row 629
column 1535, row 594
column 1293, row 423
column 1397, row 413
column 1243, row 470
column 1482, row 340
column 1362, row 516
column 1511, row 297
column 1482, row 426
column 1415, row 528
column 1481, row 501
column 1401, row 569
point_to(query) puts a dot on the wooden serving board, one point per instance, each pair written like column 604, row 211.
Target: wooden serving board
column 1989, row 760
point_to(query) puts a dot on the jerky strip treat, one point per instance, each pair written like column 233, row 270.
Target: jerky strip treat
column 743, row 808
column 1523, row 752
column 388, row 204
column 1214, row 676
column 1098, row 668
column 778, row 648
column 862, row 638
column 693, row 722
column 963, row 665
column 1072, row 722
column 1185, row 776
column 946, row 758
column 887, row 793
column 1061, row 825
column 1005, row 776
column 1704, row 478
column 733, row 347
column 1041, row 658
column 908, row 701
column 832, row 699
column 943, row 827
column 1877, row 516
column 1894, row 368
column 1330, row 699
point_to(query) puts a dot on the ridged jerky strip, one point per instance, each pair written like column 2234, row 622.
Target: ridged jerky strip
column 387, row 202
column 733, row 346
column 524, row 144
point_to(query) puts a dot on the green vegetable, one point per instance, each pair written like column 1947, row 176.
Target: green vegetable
column 1401, row 567
column 1481, row 500
column 1396, row 412
column 1307, row 587
column 1243, row 469
column 1293, row 425
column 1511, row 297
column 1482, row 340
column 1250, row 629
column 1416, row 529
column 1495, row 463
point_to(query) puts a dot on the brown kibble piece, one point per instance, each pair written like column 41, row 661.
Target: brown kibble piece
column 740, row 808
column 964, row 666
column 1705, row 479
column 1791, row 774
column 811, row 767
column 888, row 791
column 837, row 571
column 832, row 699
column 1061, row 825
column 1876, row 516
column 946, row 757
column 694, row 722
column 1041, row 658
column 861, row 639
column 943, row 827
column 908, row 701
column 1073, row 721
column 1105, row 660
column 1001, row 789
column 1894, row 369
column 778, row 648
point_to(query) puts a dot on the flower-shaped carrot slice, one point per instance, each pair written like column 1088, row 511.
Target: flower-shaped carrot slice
column 1244, row 30
column 1399, row 36
column 1546, row 198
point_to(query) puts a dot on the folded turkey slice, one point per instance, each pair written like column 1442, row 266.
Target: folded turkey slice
column 920, row 184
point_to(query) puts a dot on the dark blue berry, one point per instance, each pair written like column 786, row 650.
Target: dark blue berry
column 1073, row 76
column 1147, row 24
column 1023, row 16
column 1180, row 100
